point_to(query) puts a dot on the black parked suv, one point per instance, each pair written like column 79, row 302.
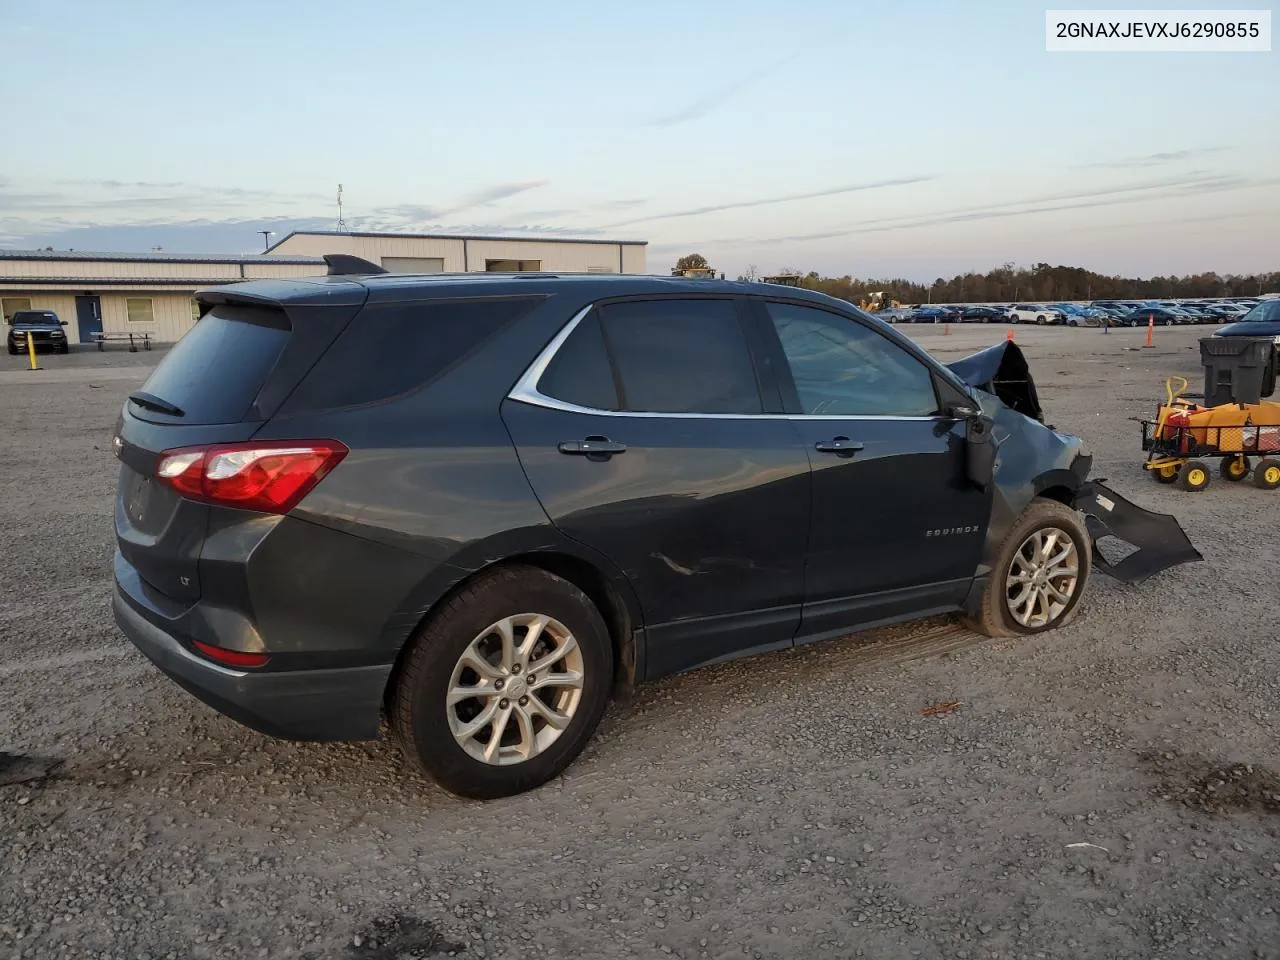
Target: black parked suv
column 476, row 505
column 43, row 326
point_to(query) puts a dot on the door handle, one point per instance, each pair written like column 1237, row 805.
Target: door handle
column 593, row 447
column 840, row 445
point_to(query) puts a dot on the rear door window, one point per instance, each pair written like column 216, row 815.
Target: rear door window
column 214, row 373
column 681, row 356
column 581, row 373
column 392, row 348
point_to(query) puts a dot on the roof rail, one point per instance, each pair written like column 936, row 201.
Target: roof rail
column 345, row 265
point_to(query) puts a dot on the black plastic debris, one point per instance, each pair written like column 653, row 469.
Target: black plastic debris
column 18, row 768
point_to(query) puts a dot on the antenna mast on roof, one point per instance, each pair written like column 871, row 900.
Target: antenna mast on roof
column 342, row 224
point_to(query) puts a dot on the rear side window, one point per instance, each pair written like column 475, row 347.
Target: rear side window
column 580, row 372
column 392, row 348
column 681, row 356
column 214, row 373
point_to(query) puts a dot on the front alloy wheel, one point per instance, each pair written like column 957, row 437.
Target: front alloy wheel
column 1042, row 578
column 1039, row 574
column 515, row 689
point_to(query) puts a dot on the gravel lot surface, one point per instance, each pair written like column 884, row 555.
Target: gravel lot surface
column 1106, row 790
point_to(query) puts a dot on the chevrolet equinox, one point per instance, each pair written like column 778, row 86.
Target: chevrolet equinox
column 477, row 505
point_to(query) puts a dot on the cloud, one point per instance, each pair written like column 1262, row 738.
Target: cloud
column 480, row 198
column 622, row 204
column 128, row 184
column 1054, row 203
column 1153, row 159
column 766, row 201
column 51, row 208
column 499, row 191
column 719, row 96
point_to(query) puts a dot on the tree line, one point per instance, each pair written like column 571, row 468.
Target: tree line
column 1040, row 282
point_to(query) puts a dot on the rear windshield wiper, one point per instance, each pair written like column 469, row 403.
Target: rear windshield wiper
column 152, row 402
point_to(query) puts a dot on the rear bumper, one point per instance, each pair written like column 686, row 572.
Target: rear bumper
column 337, row 704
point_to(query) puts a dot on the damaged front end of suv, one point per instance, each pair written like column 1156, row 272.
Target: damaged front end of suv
column 1013, row 450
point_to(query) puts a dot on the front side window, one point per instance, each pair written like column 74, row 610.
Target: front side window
column 844, row 369
column 680, row 356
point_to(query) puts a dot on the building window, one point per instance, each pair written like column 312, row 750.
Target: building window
column 512, row 266
column 11, row 305
column 601, row 270
column 139, row 309
column 414, row 264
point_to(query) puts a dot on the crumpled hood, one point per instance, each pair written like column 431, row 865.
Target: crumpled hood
column 1003, row 372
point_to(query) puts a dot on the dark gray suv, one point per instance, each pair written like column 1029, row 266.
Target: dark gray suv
column 477, row 505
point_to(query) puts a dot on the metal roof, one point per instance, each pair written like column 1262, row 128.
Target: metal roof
column 102, row 255
column 184, row 282
column 456, row 236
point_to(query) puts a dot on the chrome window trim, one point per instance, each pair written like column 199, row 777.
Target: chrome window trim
column 526, row 391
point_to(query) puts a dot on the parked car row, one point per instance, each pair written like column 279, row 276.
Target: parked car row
column 1098, row 313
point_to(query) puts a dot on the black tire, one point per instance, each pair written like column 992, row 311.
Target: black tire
column 1234, row 469
column 1164, row 474
column 420, row 718
column 1041, row 320
column 13, row 351
column 1266, row 475
column 65, row 348
column 1194, row 476
column 993, row 617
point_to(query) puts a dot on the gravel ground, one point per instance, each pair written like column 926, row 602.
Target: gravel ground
column 1106, row 790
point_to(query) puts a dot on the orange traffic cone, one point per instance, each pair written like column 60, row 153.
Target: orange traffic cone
column 1009, row 335
column 1151, row 330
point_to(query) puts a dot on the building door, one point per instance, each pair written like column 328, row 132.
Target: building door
column 89, row 317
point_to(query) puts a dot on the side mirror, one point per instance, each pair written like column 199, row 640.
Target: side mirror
column 63, row 322
column 960, row 411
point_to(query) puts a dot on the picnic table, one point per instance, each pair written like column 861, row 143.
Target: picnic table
column 134, row 339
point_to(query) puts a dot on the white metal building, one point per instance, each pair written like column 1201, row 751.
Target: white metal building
column 446, row 253
column 153, row 292
column 128, row 292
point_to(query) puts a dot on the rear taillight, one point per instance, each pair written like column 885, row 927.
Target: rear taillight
column 270, row 476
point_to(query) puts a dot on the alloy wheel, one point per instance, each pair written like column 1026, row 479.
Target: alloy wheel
column 515, row 689
column 1043, row 578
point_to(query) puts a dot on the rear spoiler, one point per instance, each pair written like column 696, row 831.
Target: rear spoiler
column 345, row 265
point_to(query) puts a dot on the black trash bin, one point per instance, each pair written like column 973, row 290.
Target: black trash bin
column 1238, row 369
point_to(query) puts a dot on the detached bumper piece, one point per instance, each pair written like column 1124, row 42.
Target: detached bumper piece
column 1158, row 539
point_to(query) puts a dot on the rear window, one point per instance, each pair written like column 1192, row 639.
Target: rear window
column 214, row 373
column 392, row 348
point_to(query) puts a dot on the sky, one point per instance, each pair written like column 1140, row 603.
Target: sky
column 875, row 139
